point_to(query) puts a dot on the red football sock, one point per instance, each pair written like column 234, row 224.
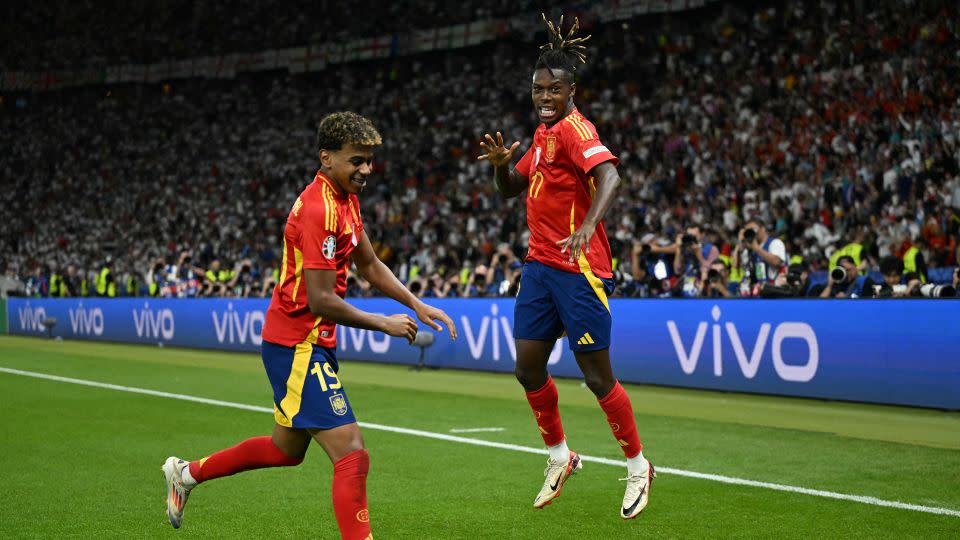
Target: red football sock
column 350, row 495
column 544, row 405
column 255, row 453
column 620, row 416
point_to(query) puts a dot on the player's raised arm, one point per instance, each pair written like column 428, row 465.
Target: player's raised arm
column 371, row 268
column 324, row 302
column 608, row 179
column 510, row 183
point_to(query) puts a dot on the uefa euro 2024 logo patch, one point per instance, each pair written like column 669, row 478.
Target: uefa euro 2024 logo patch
column 330, row 247
column 339, row 404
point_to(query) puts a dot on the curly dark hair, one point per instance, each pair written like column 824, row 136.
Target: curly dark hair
column 340, row 128
column 562, row 52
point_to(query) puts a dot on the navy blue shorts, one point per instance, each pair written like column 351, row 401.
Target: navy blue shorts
column 307, row 393
column 551, row 302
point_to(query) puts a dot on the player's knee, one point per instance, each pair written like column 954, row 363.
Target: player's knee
column 530, row 379
column 598, row 384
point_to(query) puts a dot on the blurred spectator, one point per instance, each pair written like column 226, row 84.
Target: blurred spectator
column 895, row 283
column 758, row 257
column 844, row 281
column 833, row 123
column 715, row 282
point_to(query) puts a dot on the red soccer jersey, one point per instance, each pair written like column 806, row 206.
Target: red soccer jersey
column 561, row 190
column 322, row 230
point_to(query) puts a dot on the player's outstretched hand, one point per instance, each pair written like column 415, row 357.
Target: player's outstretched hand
column 496, row 152
column 579, row 240
column 401, row 325
column 429, row 315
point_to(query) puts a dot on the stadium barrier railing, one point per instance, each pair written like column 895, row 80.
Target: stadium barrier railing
column 900, row 352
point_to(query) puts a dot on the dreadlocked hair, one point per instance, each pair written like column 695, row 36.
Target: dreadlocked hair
column 562, row 52
column 341, row 128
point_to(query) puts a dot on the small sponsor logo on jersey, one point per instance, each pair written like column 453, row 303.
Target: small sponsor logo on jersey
column 339, row 404
column 330, row 247
column 589, row 152
column 551, row 148
column 363, row 516
column 614, row 426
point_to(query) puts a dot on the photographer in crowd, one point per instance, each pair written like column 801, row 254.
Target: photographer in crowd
column 795, row 283
column 758, row 256
column 844, row 281
column 895, row 283
column 691, row 261
column 715, row 282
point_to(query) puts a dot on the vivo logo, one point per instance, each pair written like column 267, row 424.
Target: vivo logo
column 494, row 324
column 153, row 324
column 230, row 327
column 31, row 319
column 86, row 321
column 378, row 341
column 748, row 366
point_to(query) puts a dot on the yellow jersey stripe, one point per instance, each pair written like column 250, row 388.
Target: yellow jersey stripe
column 297, row 274
column 290, row 404
column 576, row 127
column 331, row 210
column 325, row 191
column 312, row 336
column 584, row 134
column 283, row 264
column 580, row 122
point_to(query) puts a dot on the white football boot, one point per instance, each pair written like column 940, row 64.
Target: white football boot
column 177, row 492
column 638, row 492
column 556, row 475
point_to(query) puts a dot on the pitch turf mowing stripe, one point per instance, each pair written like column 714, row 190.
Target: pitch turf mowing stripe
column 505, row 446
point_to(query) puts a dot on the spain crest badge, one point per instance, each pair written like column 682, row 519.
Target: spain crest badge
column 551, row 148
column 339, row 404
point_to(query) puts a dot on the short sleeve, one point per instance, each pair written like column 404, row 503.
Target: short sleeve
column 318, row 235
column 355, row 208
column 587, row 154
column 779, row 249
column 523, row 166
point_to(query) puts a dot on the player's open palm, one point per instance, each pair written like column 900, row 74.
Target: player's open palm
column 401, row 325
column 496, row 152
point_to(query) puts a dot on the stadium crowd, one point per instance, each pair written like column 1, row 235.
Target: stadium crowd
column 96, row 33
column 762, row 150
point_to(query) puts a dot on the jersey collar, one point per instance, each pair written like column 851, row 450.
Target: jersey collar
column 324, row 179
column 572, row 112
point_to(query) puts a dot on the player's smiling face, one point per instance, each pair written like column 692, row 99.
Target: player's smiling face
column 552, row 95
column 349, row 167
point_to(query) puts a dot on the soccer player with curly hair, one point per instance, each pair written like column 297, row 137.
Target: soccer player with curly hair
column 323, row 234
column 570, row 179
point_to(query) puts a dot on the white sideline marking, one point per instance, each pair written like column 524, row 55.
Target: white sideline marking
column 475, row 430
column 504, row 446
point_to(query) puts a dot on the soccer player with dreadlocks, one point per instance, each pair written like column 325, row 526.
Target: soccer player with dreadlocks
column 322, row 236
column 570, row 179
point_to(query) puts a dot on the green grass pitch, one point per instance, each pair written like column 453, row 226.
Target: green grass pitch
column 82, row 461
